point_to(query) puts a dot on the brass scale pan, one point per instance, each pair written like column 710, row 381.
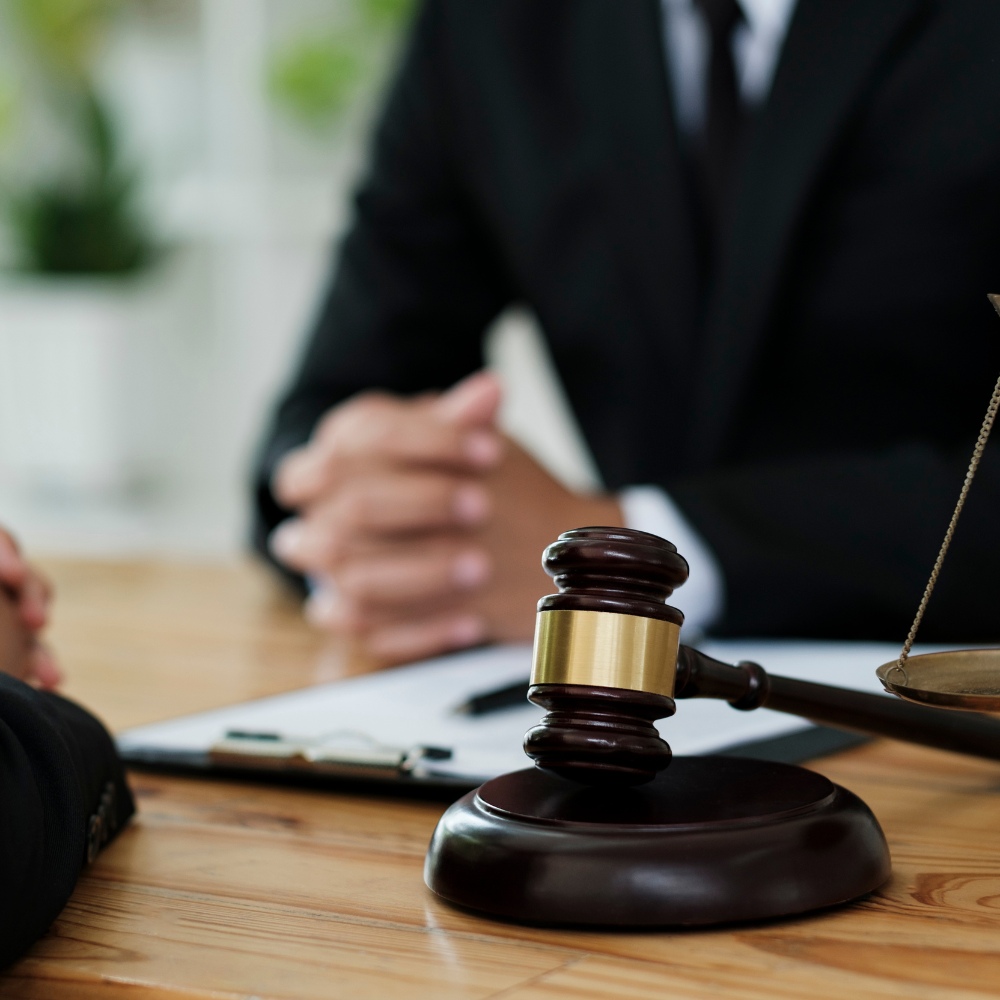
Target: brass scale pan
column 962, row 678
column 959, row 678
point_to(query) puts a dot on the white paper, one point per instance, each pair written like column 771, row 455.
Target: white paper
column 415, row 705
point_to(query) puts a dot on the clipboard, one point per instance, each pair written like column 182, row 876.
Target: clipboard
column 400, row 727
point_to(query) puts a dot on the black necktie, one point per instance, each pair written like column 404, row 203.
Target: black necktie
column 723, row 123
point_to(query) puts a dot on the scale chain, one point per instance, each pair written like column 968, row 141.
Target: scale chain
column 977, row 454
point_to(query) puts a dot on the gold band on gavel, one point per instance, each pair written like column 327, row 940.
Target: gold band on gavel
column 604, row 649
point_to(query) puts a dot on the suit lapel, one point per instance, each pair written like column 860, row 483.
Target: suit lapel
column 832, row 49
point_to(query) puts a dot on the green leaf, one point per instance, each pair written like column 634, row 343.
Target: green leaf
column 98, row 132
column 386, row 13
column 314, row 78
column 81, row 222
column 80, row 232
column 65, row 33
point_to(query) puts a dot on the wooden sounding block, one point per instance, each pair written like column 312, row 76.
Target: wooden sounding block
column 710, row 840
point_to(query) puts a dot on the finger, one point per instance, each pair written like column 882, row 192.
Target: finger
column 316, row 545
column 416, row 576
column 327, row 608
column 301, row 476
column 48, row 588
column 378, row 432
column 389, row 504
column 307, row 474
column 473, row 401
column 33, row 601
column 402, row 502
column 394, row 502
column 304, row 546
column 12, row 564
column 418, row 640
column 45, row 670
column 379, row 582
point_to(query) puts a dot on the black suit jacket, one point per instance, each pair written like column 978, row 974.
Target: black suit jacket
column 62, row 797
column 812, row 403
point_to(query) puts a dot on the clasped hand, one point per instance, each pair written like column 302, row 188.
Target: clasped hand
column 419, row 525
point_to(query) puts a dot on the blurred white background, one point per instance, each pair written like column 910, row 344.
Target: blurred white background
column 132, row 398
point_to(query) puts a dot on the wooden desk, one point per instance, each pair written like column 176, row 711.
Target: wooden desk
column 222, row 890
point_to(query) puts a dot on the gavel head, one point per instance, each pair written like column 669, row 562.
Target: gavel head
column 606, row 656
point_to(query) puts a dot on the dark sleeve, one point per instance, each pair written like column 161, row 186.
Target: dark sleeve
column 416, row 281
column 842, row 545
column 62, row 797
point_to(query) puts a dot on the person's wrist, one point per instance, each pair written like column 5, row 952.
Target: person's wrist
column 599, row 510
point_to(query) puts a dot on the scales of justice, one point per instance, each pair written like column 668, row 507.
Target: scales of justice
column 607, row 829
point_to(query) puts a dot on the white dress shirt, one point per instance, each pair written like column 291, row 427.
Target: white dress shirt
column 756, row 47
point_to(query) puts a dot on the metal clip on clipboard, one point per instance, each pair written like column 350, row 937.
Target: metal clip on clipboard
column 340, row 754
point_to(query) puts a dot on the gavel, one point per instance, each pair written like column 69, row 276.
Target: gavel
column 608, row 663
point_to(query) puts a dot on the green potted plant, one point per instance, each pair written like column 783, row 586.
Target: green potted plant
column 80, row 217
column 75, row 288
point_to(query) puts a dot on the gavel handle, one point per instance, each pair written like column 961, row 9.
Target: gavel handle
column 747, row 686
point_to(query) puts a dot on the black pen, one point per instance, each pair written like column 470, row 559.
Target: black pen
column 509, row 696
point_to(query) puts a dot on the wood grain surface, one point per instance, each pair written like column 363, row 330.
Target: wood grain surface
column 222, row 890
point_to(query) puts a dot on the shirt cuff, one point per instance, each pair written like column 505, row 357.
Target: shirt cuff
column 649, row 508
